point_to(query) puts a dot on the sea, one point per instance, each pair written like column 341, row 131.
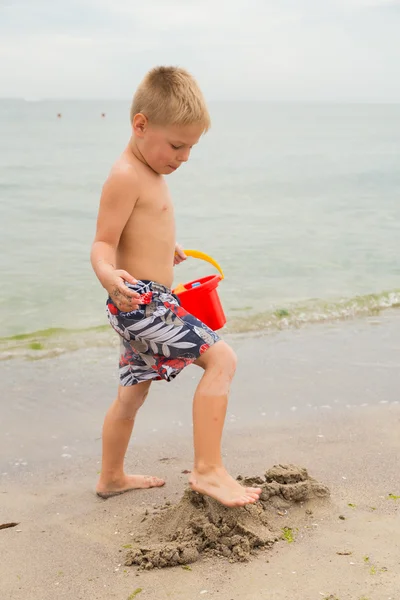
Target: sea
column 298, row 202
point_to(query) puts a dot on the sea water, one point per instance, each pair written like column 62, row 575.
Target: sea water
column 299, row 203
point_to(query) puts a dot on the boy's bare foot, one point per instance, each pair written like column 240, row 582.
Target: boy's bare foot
column 126, row 484
column 218, row 484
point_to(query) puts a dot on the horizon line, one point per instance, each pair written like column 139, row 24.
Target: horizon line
column 32, row 100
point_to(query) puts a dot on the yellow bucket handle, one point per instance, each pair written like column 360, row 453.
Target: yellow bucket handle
column 203, row 256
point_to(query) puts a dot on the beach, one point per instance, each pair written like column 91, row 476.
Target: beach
column 306, row 229
column 323, row 397
column 293, row 190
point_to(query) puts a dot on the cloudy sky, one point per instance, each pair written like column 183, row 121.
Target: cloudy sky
column 243, row 49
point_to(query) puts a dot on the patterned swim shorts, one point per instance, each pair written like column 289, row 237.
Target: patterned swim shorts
column 158, row 339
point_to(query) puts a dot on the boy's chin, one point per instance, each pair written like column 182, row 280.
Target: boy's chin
column 164, row 170
column 168, row 170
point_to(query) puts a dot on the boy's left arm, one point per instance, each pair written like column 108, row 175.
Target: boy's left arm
column 180, row 255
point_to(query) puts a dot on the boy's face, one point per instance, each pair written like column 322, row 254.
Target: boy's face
column 165, row 148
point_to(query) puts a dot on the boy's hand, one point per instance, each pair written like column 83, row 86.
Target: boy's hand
column 180, row 255
column 124, row 298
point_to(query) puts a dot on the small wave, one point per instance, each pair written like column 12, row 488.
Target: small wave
column 53, row 342
column 315, row 311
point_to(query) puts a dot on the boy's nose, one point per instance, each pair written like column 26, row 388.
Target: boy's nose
column 184, row 155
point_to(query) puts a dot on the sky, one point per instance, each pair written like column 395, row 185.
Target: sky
column 289, row 50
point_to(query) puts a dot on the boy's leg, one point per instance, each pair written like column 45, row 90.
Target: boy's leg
column 209, row 408
column 117, row 430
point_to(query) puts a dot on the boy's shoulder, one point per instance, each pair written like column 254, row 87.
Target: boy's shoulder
column 123, row 168
column 123, row 173
column 121, row 185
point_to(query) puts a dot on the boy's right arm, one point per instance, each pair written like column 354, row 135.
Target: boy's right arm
column 118, row 199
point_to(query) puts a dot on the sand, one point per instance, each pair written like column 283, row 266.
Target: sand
column 346, row 546
column 199, row 526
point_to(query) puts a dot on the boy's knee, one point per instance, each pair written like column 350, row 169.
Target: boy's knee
column 221, row 356
column 131, row 398
column 230, row 360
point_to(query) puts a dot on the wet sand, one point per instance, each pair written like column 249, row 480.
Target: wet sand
column 325, row 398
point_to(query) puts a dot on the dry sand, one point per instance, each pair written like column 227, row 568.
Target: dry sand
column 70, row 544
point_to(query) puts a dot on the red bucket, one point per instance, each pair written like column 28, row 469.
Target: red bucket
column 200, row 296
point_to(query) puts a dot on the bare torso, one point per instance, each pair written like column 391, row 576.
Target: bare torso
column 147, row 243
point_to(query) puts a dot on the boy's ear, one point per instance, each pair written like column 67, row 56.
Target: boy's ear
column 139, row 124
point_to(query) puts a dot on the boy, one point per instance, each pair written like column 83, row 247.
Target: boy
column 133, row 255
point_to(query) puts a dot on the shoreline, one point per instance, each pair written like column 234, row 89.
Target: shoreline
column 54, row 341
column 57, row 405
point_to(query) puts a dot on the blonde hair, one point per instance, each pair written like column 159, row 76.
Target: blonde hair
column 171, row 96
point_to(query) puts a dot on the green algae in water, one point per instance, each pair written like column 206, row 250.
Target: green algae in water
column 281, row 312
column 40, row 333
column 135, row 593
column 315, row 311
column 36, row 346
column 50, row 332
column 58, row 340
column 186, row 568
column 352, row 505
column 54, row 341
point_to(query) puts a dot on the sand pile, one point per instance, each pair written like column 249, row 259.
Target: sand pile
column 199, row 525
